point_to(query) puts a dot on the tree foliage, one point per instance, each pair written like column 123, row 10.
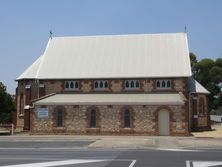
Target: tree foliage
column 7, row 105
column 209, row 73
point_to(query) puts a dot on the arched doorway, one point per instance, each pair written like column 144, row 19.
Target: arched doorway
column 164, row 122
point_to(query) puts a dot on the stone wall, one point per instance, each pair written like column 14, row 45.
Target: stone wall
column 53, row 87
column 110, row 120
column 116, row 86
column 179, row 85
column 86, row 86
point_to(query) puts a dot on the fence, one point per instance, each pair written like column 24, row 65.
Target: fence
column 216, row 118
column 7, row 129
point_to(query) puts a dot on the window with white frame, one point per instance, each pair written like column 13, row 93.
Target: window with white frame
column 132, row 84
column 163, row 84
column 71, row 85
column 101, row 85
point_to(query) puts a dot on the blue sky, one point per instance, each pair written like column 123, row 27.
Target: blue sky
column 25, row 25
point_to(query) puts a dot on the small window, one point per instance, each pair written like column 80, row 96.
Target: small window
column 163, row 84
column 137, row 84
column 76, row 85
column 127, row 84
column 71, row 85
column 101, row 85
column 106, row 84
column 127, row 119
column 59, row 118
column 67, row 85
column 168, row 84
column 93, row 119
column 96, row 85
column 158, row 84
column 132, row 84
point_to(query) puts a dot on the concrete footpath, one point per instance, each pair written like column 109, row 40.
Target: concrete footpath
column 209, row 139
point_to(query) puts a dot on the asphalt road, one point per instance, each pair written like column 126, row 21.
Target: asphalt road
column 45, row 157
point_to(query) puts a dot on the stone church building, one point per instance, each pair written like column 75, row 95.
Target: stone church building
column 112, row 84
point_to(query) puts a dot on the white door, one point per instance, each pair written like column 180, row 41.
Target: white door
column 163, row 123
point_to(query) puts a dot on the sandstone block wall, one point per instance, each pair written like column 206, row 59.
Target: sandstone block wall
column 145, row 120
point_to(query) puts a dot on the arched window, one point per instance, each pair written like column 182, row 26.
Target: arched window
column 127, row 118
column 106, row 84
column 137, row 84
column 59, row 118
column 127, row 84
column 76, row 85
column 21, row 104
column 132, row 84
column 71, row 85
column 201, row 106
column 101, row 84
column 158, row 84
column 67, row 85
column 92, row 123
column 96, row 84
column 168, row 84
column 163, row 84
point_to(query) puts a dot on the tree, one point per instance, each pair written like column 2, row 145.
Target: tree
column 209, row 73
column 193, row 62
column 7, row 105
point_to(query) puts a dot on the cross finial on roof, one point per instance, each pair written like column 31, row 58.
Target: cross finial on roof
column 185, row 28
column 50, row 32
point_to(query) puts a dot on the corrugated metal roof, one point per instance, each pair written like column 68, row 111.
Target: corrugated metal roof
column 113, row 56
column 112, row 99
column 196, row 87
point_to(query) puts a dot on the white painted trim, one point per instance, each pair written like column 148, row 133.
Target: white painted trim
column 55, row 163
column 133, row 163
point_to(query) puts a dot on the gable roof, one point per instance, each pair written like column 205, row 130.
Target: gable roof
column 196, row 87
column 113, row 56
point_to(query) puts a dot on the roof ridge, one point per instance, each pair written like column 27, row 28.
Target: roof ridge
column 116, row 35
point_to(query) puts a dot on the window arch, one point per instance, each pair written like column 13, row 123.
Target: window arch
column 127, row 84
column 76, row 85
column 158, row 84
column 101, row 84
column 96, row 85
column 137, row 84
column 67, row 85
column 127, row 118
column 21, row 104
column 168, row 84
column 163, row 84
column 92, row 118
column 59, row 118
column 106, row 84
column 132, row 84
column 201, row 106
column 71, row 85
